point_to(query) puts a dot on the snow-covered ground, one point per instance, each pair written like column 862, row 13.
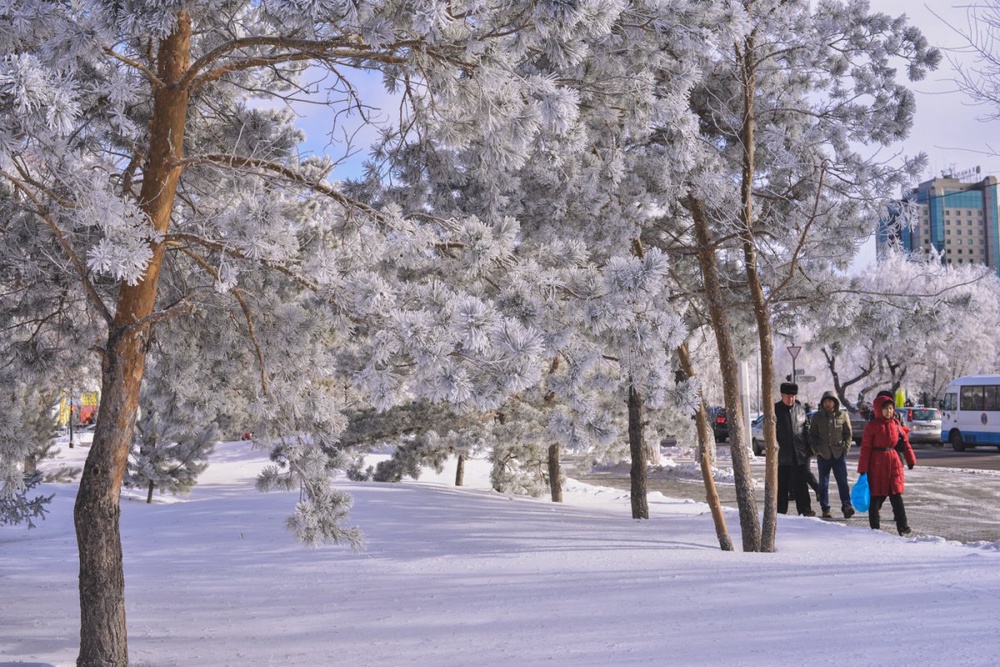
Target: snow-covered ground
column 466, row 576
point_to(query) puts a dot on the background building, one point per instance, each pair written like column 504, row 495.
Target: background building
column 957, row 215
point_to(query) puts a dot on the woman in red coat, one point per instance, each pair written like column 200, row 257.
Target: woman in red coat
column 879, row 459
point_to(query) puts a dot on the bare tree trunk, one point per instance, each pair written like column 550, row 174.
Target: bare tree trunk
column 640, row 504
column 729, row 367
column 761, row 307
column 762, row 311
column 103, row 638
column 705, row 457
column 149, row 493
column 840, row 386
column 555, row 474
column 460, row 470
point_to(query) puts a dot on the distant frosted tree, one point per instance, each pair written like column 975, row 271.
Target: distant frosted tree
column 17, row 507
column 26, row 431
column 913, row 323
column 423, row 433
column 172, row 445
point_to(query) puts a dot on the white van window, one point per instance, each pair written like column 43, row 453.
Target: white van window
column 950, row 402
column 990, row 398
column 972, row 397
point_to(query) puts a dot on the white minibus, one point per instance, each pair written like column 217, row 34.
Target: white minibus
column 970, row 412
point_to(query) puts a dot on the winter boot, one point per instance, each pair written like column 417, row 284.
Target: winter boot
column 848, row 511
column 827, row 515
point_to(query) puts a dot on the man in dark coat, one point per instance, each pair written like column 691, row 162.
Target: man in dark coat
column 793, row 451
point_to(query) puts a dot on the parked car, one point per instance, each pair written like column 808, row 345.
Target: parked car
column 757, row 436
column 720, row 426
column 924, row 424
column 858, row 423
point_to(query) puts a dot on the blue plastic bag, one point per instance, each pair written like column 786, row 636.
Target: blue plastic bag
column 860, row 494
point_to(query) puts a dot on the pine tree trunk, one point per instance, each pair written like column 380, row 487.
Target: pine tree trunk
column 640, row 504
column 761, row 305
column 705, row 457
column 729, row 366
column 555, row 474
column 460, row 470
column 149, row 493
column 103, row 637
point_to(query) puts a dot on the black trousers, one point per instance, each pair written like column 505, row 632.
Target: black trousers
column 898, row 511
column 794, row 478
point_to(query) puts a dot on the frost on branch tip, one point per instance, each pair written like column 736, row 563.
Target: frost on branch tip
column 36, row 96
column 124, row 250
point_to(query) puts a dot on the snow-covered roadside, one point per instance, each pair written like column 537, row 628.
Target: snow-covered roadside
column 467, row 576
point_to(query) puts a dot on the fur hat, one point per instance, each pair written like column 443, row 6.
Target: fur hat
column 789, row 388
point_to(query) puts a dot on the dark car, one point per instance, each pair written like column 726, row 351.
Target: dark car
column 858, row 423
column 757, row 435
column 720, row 426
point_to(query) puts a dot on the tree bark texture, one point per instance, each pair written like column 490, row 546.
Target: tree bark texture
column 729, row 366
column 103, row 637
column 460, row 471
column 555, row 474
column 705, row 457
column 637, row 474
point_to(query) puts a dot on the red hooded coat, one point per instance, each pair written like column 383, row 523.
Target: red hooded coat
column 878, row 455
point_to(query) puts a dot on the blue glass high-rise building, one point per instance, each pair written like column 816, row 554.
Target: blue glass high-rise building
column 956, row 217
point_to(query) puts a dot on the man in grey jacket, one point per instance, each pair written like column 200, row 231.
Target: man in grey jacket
column 830, row 440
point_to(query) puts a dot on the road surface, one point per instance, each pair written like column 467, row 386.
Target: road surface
column 948, row 494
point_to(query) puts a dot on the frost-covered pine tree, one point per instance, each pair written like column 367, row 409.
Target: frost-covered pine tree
column 149, row 143
column 26, row 431
column 172, row 445
column 785, row 114
column 28, row 427
column 584, row 192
